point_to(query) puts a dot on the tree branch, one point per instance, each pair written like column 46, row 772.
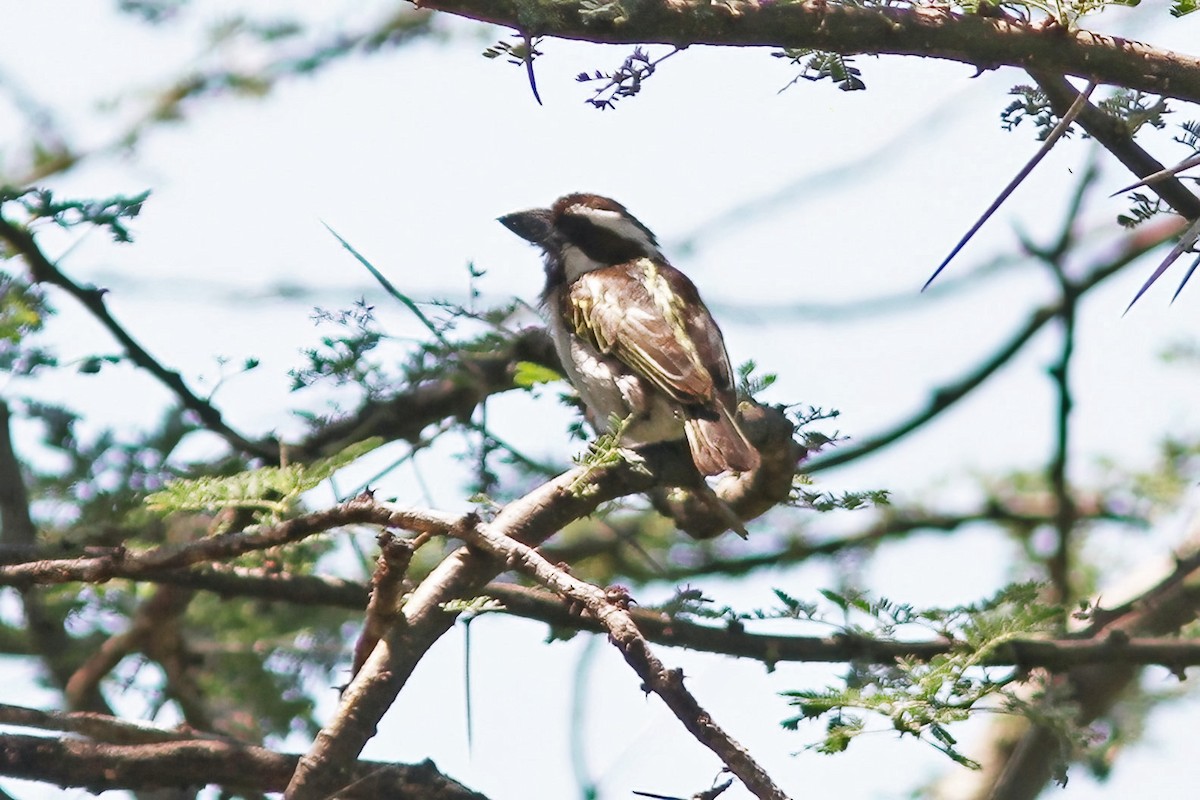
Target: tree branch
column 43, row 270
column 609, row 608
column 984, row 42
column 942, row 398
column 1114, row 135
column 1094, row 688
column 527, row 603
column 152, row 624
column 45, row 628
column 69, row 761
column 531, row 520
column 386, row 595
column 101, row 727
column 121, row 563
column 454, row 395
column 1056, row 655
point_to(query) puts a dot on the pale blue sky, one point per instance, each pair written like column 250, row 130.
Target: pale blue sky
column 411, row 156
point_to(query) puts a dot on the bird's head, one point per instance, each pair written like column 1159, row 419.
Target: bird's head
column 583, row 232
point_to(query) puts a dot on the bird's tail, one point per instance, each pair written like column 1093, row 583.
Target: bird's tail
column 718, row 444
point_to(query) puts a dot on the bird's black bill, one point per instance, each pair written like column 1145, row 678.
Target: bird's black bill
column 532, row 225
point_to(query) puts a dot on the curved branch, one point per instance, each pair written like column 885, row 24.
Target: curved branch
column 43, row 270
column 527, row 603
column 121, row 563
column 984, row 42
column 1134, row 246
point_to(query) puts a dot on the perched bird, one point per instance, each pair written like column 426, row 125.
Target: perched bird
column 633, row 335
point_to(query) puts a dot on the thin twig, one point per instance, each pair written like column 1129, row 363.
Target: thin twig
column 391, row 289
column 943, row 397
column 529, row 55
column 1065, row 517
column 44, row 270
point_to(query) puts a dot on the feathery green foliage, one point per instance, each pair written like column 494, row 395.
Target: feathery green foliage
column 605, row 451
column 22, row 310
column 528, row 374
column 1143, row 208
column 824, row 502
column 924, row 698
column 749, row 384
column 1136, row 109
column 270, row 492
column 473, row 606
column 110, row 214
column 818, row 65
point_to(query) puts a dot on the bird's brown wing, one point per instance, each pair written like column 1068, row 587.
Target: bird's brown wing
column 650, row 317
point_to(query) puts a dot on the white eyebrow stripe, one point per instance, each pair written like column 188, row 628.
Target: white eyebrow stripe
column 617, row 223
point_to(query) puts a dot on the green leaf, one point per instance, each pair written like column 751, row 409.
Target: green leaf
column 924, row 698
column 473, row 606
column 22, row 309
column 268, row 490
column 110, row 213
column 528, row 374
column 840, row 732
column 92, row 364
column 795, row 607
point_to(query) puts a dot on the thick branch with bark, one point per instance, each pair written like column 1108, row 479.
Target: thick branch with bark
column 1115, row 136
column 535, row 517
column 423, row 620
column 121, row 563
column 527, row 603
column 529, row 520
column 193, row 763
column 1095, row 688
column 984, row 42
column 1055, row 655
